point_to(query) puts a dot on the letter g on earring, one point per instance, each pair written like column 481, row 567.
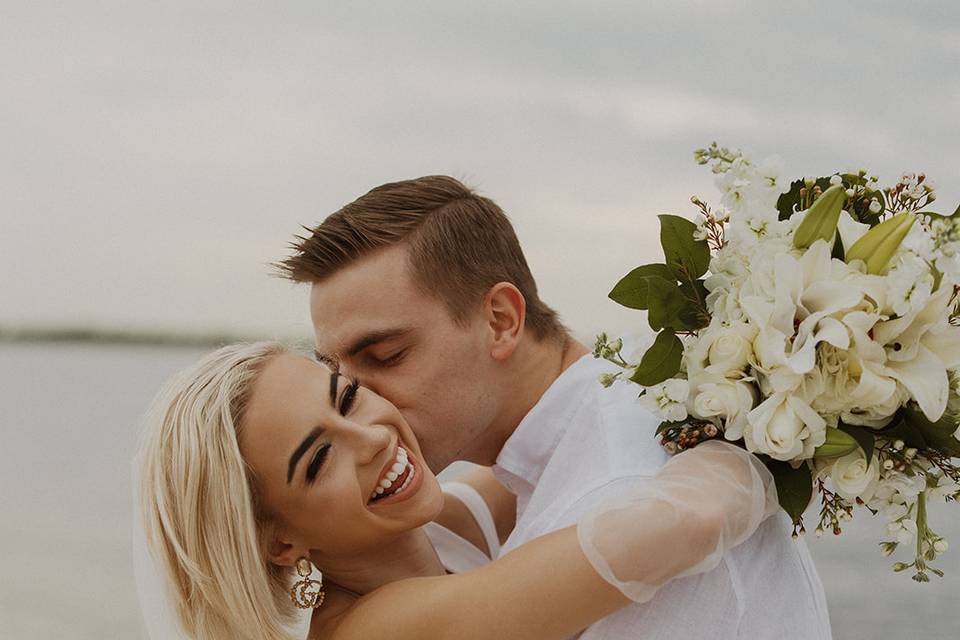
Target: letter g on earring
column 307, row 593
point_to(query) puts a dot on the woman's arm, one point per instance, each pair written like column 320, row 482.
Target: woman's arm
column 697, row 506
column 501, row 504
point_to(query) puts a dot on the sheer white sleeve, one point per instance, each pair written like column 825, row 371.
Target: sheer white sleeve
column 679, row 522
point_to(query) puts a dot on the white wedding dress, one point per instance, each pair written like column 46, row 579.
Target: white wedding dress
column 456, row 554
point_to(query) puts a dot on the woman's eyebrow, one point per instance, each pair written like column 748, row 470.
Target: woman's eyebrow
column 302, row 449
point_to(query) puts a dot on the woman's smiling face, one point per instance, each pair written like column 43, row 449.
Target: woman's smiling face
column 319, row 446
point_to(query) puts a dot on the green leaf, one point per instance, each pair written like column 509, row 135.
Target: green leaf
column 632, row 289
column 661, row 360
column 789, row 202
column 693, row 314
column 838, row 443
column 687, row 258
column 904, row 429
column 666, row 300
column 937, row 435
column 837, row 251
column 794, row 487
column 864, row 438
column 667, row 424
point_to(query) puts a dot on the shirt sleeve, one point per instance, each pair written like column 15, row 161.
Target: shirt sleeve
column 643, row 534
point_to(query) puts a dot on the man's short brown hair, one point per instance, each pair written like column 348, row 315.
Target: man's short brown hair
column 460, row 244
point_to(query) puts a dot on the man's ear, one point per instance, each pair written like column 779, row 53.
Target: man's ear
column 505, row 311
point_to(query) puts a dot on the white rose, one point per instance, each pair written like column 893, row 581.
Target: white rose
column 720, row 397
column 730, row 352
column 854, row 478
column 784, row 427
column 722, row 350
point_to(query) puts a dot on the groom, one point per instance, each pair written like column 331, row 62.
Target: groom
column 420, row 289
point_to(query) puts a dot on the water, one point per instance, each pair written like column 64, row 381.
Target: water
column 69, row 425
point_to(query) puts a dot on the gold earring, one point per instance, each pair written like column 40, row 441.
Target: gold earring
column 307, row 593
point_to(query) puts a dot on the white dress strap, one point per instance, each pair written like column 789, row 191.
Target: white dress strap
column 478, row 508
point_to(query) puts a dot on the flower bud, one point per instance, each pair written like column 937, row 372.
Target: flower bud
column 898, row 445
column 899, row 566
column 940, row 545
column 809, row 181
column 607, row 379
column 850, row 193
column 820, row 221
column 835, row 180
column 837, row 443
column 875, row 206
column 878, row 245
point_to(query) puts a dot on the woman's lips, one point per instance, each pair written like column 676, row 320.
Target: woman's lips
column 403, row 486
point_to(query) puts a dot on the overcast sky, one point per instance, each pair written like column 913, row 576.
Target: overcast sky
column 157, row 156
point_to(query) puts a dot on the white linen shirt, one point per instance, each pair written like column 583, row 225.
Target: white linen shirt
column 581, row 442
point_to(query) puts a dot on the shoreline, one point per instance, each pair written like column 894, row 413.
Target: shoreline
column 87, row 335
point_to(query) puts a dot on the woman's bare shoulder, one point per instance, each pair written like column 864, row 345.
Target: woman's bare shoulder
column 325, row 620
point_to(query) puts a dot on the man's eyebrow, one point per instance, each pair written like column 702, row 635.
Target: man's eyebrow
column 330, row 361
column 373, row 337
column 302, row 449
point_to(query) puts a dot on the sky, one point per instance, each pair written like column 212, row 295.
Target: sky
column 156, row 157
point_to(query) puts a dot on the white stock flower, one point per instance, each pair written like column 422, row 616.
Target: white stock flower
column 668, row 399
column 895, row 493
column 903, row 530
column 944, row 487
column 909, row 285
column 784, row 427
column 853, row 477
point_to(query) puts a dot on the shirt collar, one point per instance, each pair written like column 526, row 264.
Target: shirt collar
column 527, row 451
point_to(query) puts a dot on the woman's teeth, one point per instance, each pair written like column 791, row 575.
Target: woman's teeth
column 401, row 467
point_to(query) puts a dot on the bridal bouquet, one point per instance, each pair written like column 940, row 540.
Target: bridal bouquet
column 815, row 323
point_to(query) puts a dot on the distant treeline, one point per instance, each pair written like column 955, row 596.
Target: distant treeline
column 106, row 336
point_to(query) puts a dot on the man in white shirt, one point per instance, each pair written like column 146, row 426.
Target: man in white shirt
column 421, row 290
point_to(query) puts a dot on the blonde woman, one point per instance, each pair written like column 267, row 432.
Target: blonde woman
column 259, row 464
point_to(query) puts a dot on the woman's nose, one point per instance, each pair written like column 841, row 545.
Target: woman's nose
column 371, row 441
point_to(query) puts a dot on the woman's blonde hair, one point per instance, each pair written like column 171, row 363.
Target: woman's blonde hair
column 201, row 516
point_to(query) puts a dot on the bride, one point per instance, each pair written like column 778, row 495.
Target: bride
column 260, row 468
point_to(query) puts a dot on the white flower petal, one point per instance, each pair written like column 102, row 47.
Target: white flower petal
column 926, row 379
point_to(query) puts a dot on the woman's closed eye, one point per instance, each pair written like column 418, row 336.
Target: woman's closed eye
column 322, row 451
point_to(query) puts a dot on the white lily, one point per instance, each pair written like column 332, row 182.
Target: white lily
column 850, row 230
column 920, row 347
column 795, row 314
